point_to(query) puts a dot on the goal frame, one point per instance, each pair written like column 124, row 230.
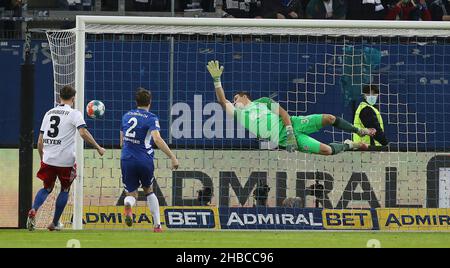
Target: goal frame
column 408, row 28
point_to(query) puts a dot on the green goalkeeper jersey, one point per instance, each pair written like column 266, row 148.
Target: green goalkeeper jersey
column 259, row 118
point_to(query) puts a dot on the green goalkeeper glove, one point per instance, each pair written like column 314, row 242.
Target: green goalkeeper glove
column 216, row 71
column 291, row 143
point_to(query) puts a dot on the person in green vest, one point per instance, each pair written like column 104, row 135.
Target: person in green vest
column 368, row 116
column 266, row 119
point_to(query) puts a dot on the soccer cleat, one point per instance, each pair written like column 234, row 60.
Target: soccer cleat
column 53, row 227
column 367, row 132
column 157, row 229
column 356, row 145
column 128, row 215
column 31, row 221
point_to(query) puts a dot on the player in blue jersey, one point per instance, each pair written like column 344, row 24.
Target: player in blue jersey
column 139, row 128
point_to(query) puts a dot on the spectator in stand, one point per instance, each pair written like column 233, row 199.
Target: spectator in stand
column 3, row 4
column 304, row 4
column 208, row 5
column 141, row 5
column 17, row 8
column 160, row 5
column 295, row 8
column 409, row 10
column 366, row 10
column 239, row 8
column 281, row 9
column 439, row 9
column 87, row 5
column 110, row 5
column 326, row 9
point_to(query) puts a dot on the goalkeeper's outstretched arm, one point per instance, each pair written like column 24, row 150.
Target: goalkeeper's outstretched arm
column 216, row 71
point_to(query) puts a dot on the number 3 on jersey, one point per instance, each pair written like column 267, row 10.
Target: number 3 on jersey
column 130, row 131
column 54, row 120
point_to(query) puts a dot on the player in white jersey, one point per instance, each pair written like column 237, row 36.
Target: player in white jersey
column 56, row 146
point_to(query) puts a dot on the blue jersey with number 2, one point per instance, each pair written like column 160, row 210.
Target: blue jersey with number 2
column 137, row 126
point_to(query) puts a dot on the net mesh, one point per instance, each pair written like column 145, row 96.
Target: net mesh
column 62, row 48
column 306, row 70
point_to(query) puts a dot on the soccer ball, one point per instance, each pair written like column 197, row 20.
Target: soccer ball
column 95, row 109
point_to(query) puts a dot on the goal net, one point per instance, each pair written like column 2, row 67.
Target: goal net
column 308, row 67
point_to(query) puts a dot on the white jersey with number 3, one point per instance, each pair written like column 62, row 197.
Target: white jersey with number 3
column 59, row 128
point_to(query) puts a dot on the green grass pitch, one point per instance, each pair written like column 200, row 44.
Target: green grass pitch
column 220, row 239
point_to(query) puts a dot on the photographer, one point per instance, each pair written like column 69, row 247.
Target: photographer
column 260, row 194
column 293, row 202
column 204, row 196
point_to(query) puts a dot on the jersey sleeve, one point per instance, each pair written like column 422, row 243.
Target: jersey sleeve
column 122, row 123
column 78, row 120
column 44, row 120
column 153, row 124
column 266, row 101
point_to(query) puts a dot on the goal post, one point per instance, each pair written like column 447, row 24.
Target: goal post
column 298, row 98
column 79, row 87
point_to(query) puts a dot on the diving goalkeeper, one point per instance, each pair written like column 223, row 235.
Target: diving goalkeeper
column 266, row 119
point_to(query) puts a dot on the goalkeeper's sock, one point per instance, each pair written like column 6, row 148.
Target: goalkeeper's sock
column 40, row 198
column 345, row 125
column 61, row 202
column 153, row 205
column 130, row 200
column 339, row 147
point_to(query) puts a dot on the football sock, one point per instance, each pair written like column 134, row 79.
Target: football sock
column 61, row 202
column 339, row 147
column 40, row 198
column 344, row 125
column 153, row 205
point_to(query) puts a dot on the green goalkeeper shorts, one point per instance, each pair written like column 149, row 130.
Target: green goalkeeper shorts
column 303, row 126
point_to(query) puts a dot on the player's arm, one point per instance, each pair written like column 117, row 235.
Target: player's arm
column 291, row 142
column 216, row 71
column 78, row 122
column 284, row 116
column 87, row 137
column 163, row 146
column 370, row 120
column 226, row 104
column 40, row 146
column 121, row 139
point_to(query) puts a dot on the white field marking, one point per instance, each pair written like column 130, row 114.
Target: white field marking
column 373, row 243
column 73, row 243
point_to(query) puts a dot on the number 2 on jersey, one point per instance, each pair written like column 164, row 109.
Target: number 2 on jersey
column 130, row 131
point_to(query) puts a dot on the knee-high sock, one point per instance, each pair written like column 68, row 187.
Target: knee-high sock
column 39, row 199
column 61, row 202
column 345, row 125
column 339, row 147
column 153, row 205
